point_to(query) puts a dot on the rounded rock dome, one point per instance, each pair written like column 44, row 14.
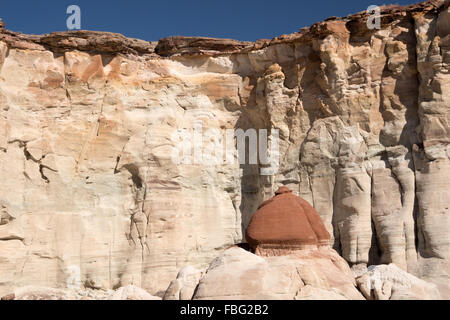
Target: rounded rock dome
column 286, row 221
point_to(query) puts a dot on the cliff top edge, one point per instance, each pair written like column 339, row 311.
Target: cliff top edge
column 115, row 43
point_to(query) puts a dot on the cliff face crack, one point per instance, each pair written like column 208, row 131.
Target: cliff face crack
column 41, row 170
column 29, row 157
column 11, row 238
column 116, row 170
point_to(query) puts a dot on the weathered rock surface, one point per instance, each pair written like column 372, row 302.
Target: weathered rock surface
column 90, row 195
column 306, row 275
column 389, row 282
column 183, row 287
column 196, row 45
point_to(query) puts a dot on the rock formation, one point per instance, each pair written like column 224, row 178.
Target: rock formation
column 389, row 282
column 183, row 287
column 286, row 222
column 293, row 260
column 90, row 196
column 306, row 275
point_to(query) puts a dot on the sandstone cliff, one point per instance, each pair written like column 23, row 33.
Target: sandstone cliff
column 89, row 193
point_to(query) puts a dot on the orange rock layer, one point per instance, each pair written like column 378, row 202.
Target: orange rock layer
column 286, row 222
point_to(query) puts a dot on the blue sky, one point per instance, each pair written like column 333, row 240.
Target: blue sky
column 152, row 20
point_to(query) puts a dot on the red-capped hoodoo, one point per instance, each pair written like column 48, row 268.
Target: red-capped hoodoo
column 286, row 222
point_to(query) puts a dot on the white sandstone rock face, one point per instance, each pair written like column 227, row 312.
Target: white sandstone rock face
column 90, row 195
column 183, row 287
column 94, row 184
column 389, row 282
column 305, row 275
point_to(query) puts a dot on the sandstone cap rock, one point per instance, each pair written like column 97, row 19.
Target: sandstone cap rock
column 286, row 221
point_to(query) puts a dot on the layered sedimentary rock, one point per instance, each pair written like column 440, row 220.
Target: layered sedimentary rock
column 91, row 196
column 183, row 287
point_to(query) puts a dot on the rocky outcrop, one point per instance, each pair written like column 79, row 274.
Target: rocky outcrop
column 183, row 287
column 389, row 282
column 306, row 275
column 292, row 260
column 198, row 46
column 82, row 40
column 285, row 223
column 90, row 195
